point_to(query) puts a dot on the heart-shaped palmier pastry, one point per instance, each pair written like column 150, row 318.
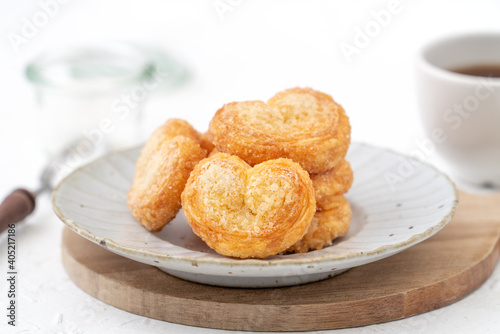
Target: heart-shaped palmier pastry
column 162, row 170
column 247, row 212
column 300, row 124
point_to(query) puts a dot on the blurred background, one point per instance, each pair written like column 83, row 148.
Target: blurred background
column 361, row 52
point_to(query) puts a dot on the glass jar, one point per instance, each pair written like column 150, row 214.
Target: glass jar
column 93, row 95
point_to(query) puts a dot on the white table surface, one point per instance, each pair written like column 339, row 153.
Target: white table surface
column 248, row 52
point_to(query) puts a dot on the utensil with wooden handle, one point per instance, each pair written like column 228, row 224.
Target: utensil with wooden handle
column 21, row 202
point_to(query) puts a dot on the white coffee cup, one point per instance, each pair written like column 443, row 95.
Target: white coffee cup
column 461, row 113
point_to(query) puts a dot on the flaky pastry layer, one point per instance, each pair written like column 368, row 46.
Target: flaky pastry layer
column 206, row 142
column 247, row 212
column 162, row 170
column 326, row 226
column 332, row 183
column 300, row 124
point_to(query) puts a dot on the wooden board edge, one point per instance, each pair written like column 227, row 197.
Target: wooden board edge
column 287, row 318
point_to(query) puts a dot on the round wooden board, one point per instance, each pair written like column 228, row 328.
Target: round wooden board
column 432, row 274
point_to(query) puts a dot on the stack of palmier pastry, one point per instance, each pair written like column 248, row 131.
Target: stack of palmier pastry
column 273, row 182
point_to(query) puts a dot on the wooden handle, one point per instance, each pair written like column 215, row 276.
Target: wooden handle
column 18, row 205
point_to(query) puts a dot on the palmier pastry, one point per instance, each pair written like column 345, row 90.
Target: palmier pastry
column 162, row 170
column 247, row 212
column 300, row 124
column 206, row 142
column 330, row 184
column 326, row 226
column 213, row 152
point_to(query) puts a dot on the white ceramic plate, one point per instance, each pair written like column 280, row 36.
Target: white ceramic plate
column 396, row 203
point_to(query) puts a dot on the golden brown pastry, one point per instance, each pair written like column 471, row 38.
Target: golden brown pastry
column 162, row 170
column 247, row 212
column 175, row 127
column 326, row 226
column 330, row 184
column 213, row 152
column 206, row 142
column 300, row 124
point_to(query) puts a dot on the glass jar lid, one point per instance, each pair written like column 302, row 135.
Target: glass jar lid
column 91, row 69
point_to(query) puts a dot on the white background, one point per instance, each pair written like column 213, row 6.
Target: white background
column 248, row 52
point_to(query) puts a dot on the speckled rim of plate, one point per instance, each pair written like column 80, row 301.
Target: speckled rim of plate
column 159, row 259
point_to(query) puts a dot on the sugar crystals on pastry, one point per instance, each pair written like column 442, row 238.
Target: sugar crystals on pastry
column 332, row 183
column 326, row 226
column 166, row 161
column 301, row 124
column 247, row 212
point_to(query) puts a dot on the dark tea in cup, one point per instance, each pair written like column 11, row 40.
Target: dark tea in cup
column 479, row 70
